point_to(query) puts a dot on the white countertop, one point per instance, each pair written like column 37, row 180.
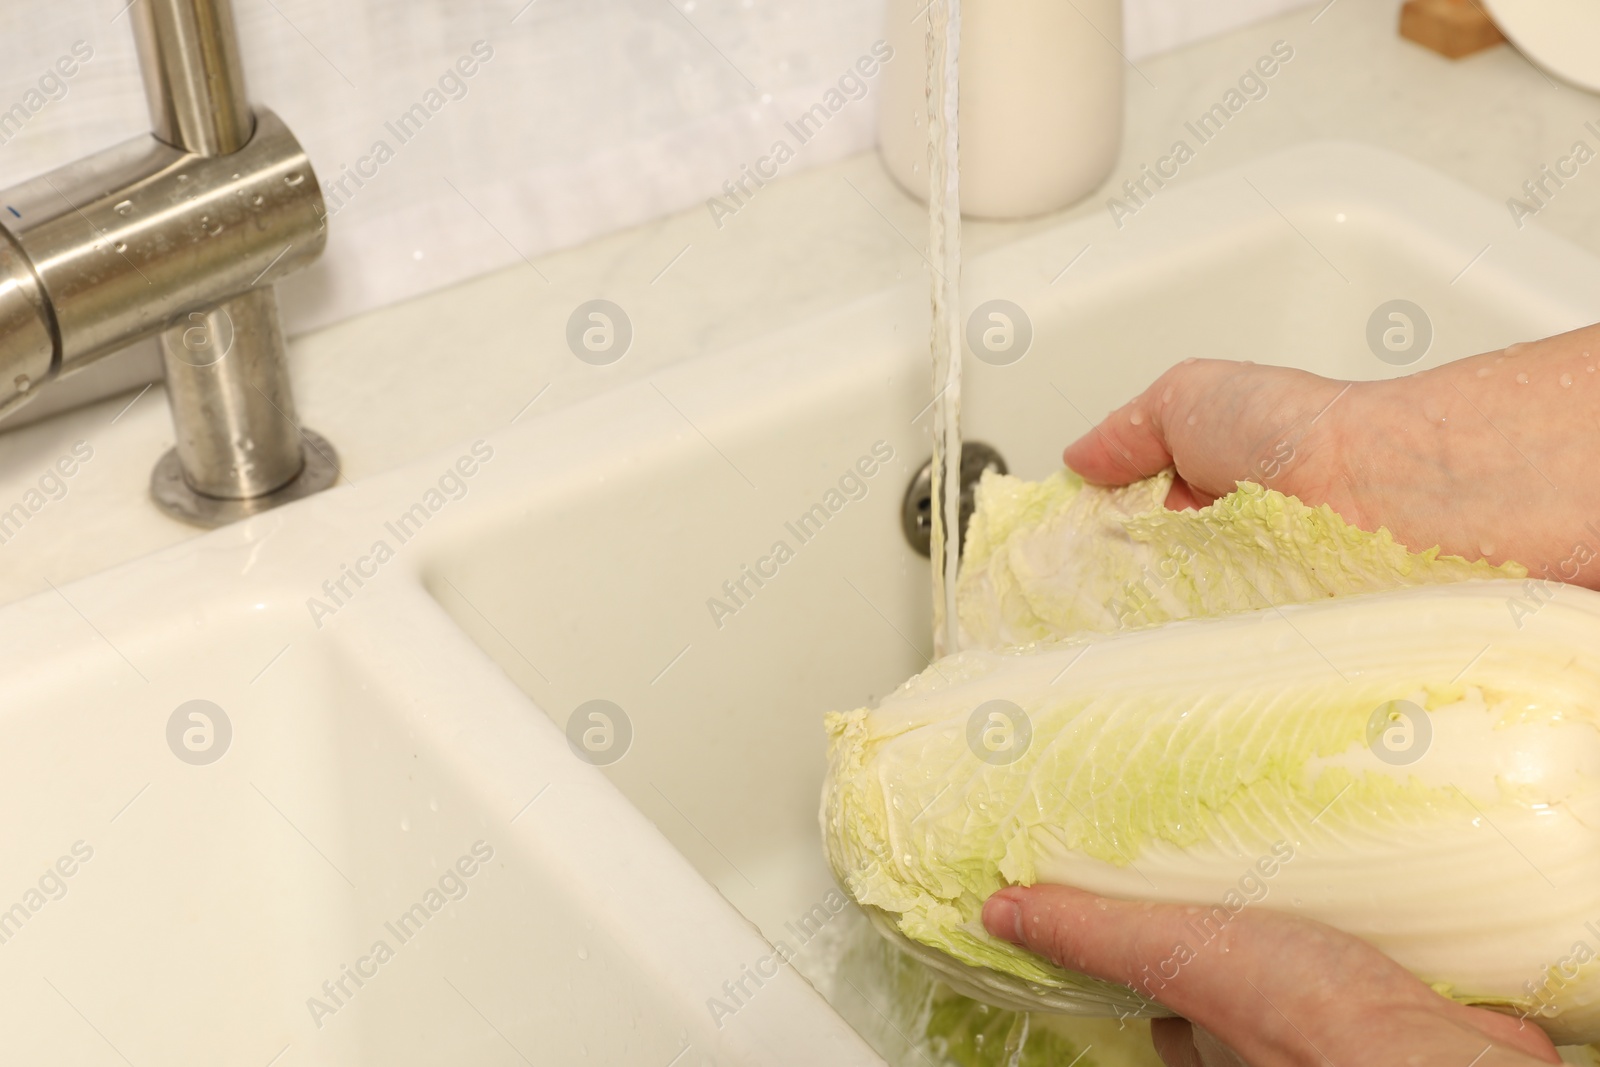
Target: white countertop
column 397, row 384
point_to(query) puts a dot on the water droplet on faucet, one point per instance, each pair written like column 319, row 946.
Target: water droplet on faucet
column 125, row 208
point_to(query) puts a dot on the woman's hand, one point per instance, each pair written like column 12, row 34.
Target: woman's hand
column 1495, row 456
column 1270, row 990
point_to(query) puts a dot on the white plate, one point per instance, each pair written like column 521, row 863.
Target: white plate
column 1562, row 36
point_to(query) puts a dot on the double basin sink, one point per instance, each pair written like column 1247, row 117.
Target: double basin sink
column 513, row 755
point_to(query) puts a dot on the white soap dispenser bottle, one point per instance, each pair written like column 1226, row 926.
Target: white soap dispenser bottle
column 1040, row 100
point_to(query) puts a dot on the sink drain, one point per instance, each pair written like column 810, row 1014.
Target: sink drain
column 916, row 512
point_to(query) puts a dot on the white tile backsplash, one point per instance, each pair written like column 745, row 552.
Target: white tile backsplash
column 1155, row 26
column 588, row 117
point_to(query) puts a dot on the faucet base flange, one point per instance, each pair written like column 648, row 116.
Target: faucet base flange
column 174, row 496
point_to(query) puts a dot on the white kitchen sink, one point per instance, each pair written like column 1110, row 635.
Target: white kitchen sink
column 380, row 738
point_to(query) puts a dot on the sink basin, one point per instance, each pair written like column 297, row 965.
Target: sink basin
column 611, row 583
column 231, row 891
column 614, row 583
column 413, row 755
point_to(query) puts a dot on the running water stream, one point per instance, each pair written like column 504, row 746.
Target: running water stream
column 944, row 254
column 902, row 1009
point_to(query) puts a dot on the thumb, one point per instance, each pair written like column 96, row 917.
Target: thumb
column 1140, row 945
column 1121, row 450
column 1273, row 987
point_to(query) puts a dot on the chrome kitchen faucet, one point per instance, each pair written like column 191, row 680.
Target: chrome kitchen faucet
column 180, row 232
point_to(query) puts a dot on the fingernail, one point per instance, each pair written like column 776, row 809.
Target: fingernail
column 1002, row 917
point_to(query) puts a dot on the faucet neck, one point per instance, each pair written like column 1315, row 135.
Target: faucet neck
column 193, row 77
